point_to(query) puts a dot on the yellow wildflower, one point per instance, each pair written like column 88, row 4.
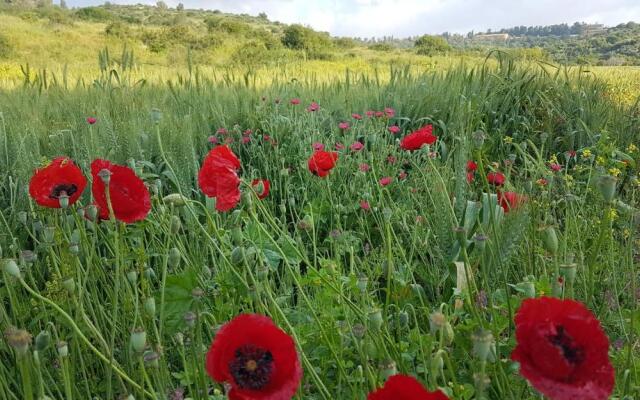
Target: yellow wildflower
column 614, row 171
column 508, row 139
column 600, row 160
column 586, row 153
column 632, row 148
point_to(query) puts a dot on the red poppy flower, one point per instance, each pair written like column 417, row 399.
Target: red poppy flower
column 356, row 116
column 389, row 112
column 256, row 358
column 321, row 162
column 403, row 387
column 386, row 181
column 58, row 179
column 364, row 205
column 510, row 200
column 218, row 177
column 555, row 167
column 261, row 186
column 129, row 196
column 562, row 350
column 91, row 120
column 370, row 113
column 295, row 101
column 356, row 146
column 495, row 178
column 471, row 166
column 415, row 140
column 344, row 126
column 394, row 129
column 313, row 107
column 364, row 167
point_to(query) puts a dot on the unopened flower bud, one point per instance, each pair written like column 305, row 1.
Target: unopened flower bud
column 176, row 224
column 22, row 217
column 174, row 257
column 63, row 349
column 363, row 281
column 388, row 369
column 550, row 239
column 150, row 306
column 43, row 339
column 478, row 138
column 151, row 358
column 69, row 285
column 403, row 318
column 190, row 319
column 375, row 319
column 359, row 330
column 568, row 271
column 132, row 277
column 49, row 234
column 156, row 115
column 138, row 340
column 150, row 274
column 482, row 342
column 11, row 268
column 607, row 186
column 92, row 212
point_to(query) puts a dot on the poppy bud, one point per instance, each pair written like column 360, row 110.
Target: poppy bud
column 151, row 358
column 63, row 349
column 92, row 212
column 568, row 271
column 19, row 339
column 156, row 115
column 262, row 272
column 482, row 342
column 197, row 293
column 292, row 201
column 550, row 239
column 403, row 318
column 49, row 233
column 283, row 208
column 387, row 213
column 363, row 281
column 150, row 306
column 74, row 249
column 236, row 236
column 43, row 340
column 11, row 268
column 176, row 224
column 437, row 322
column 284, row 172
column 388, row 369
column 607, row 186
column 150, row 274
column 237, row 256
column 179, row 338
column 64, row 200
column 247, row 198
column 132, row 277
column 190, row 319
column 478, row 138
column 37, row 226
column 75, row 237
column 175, row 199
column 138, row 340
column 22, row 217
column 174, row 257
column 69, row 285
column 461, row 235
column 480, row 242
column 437, row 363
column 105, row 175
column 527, row 288
column 359, row 330
column 417, row 290
column 28, row 256
column 375, row 319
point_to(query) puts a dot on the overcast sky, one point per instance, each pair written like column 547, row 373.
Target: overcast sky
column 402, row 18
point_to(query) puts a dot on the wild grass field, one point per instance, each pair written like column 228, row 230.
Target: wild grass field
column 376, row 226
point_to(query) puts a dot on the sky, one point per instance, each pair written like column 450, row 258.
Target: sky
column 402, row 18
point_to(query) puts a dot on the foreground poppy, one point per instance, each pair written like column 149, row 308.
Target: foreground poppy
column 321, row 162
column 55, row 181
column 91, row 120
column 471, row 169
column 129, row 196
column 403, row 387
column 218, row 177
column 562, row 350
column 510, row 200
column 415, row 140
column 496, row 178
column 261, row 186
column 256, row 358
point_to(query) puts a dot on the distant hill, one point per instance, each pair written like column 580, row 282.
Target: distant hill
column 41, row 33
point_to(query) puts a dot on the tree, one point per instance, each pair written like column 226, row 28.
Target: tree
column 162, row 6
column 180, row 7
column 431, row 45
column 63, row 4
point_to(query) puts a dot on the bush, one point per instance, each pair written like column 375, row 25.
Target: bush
column 5, row 47
column 118, row 29
column 98, row 14
column 297, row 37
column 345, row 43
column 431, row 45
column 381, row 47
column 228, row 25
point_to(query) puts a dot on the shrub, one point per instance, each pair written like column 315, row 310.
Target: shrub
column 298, row 37
column 98, row 14
column 381, row 47
column 345, row 43
column 228, row 25
column 431, row 45
column 5, row 47
column 118, row 29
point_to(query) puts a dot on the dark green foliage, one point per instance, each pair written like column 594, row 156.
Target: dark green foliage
column 431, row 45
column 316, row 44
column 5, row 47
column 99, row 14
column 118, row 29
column 381, row 47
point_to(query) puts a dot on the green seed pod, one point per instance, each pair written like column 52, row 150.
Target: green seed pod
column 478, row 137
column 132, row 277
column 150, row 274
column 49, row 234
column 63, row 349
column 461, row 235
column 74, row 249
column 11, row 268
column 63, row 199
column 92, row 212
column 375, row 319
column 150, row 306
column 371, row 349
column 236, row 236
column 359, row 330
column 176, row 225
column 527, row 288
column 607, row 186
column 437, row 363
column 43, row 339
column 363, row 281
column 69, row 285
column 448, row 333
column 550, row 239
column 174, row 257
column 568, row 271
column 480, row 242
column 237, row 256
column 388, row 369
column 156, row 115
column 190, row 319
column 138, row 340
column 22, row 217
column 75, row 237
column 403, row 318
column 482, row 341
column 151, row 358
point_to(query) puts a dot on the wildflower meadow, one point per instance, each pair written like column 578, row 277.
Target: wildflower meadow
column 460, row 233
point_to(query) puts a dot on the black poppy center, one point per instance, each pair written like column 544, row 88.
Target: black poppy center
column 571, row 351
column 251, row 367
column 67, row 188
